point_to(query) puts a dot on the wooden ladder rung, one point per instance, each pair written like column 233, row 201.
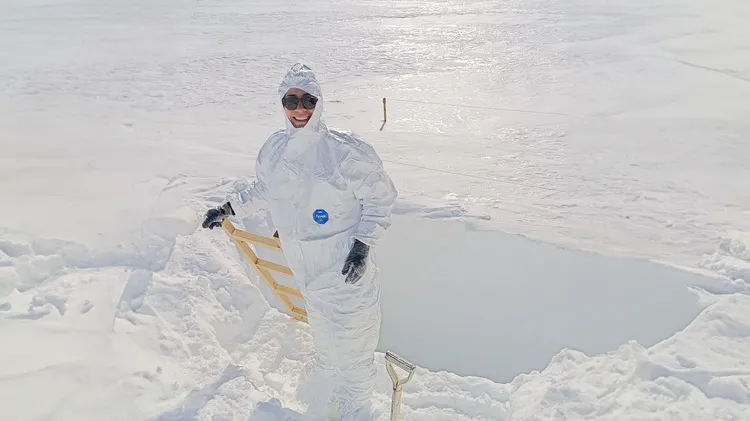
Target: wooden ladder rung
column 257, row 239
column 274, row 267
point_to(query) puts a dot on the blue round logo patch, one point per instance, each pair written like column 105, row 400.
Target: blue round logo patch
column 320, row 216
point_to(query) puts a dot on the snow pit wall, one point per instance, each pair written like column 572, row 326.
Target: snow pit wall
column 489, row 304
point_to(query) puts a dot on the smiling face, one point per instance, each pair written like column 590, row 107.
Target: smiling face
column 299, row 116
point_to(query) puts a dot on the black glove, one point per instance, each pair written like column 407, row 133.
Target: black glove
column 214, row 217
column 356, row 262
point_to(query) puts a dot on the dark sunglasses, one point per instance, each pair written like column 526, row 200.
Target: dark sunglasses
column 291, row 102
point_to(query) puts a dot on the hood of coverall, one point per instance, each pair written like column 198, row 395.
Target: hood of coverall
column 300, row 76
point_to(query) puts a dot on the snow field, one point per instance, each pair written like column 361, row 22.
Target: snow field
column 113, row 307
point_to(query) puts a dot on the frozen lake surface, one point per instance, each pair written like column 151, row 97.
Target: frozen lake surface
column 489, row 304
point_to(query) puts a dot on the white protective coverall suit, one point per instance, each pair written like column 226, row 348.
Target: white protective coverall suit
column 322, row 189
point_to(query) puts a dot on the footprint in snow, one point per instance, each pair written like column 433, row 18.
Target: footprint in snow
column 86, row 307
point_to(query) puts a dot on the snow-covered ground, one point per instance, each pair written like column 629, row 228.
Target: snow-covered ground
column 120, row 122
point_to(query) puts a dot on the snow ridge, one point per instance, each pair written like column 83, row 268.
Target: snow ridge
column 731, row 260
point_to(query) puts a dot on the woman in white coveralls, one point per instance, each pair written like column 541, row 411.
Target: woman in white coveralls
column 330, row 201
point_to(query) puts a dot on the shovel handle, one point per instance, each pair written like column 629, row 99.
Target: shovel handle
column 398, row 383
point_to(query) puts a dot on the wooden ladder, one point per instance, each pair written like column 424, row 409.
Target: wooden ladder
column 264, row 267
